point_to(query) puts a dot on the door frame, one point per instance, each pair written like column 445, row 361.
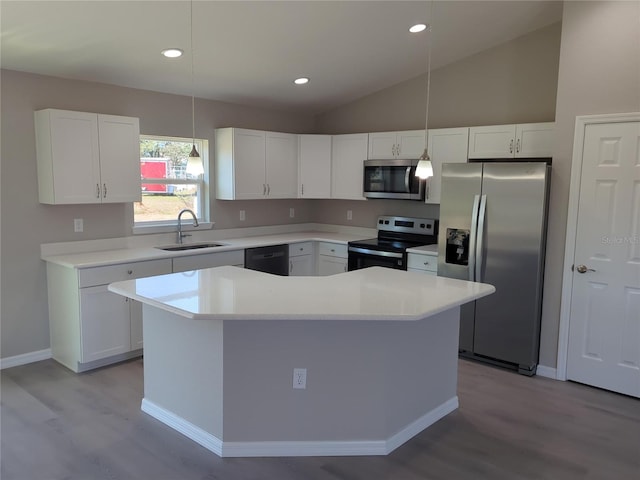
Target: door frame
column 572, row 224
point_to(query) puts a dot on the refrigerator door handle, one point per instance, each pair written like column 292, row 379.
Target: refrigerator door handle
column 482, row 213
column 472, row 239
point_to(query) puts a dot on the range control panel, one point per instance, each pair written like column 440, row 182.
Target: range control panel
column 419, row 226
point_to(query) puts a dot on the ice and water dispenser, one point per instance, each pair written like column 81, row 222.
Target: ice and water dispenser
column 457, row 251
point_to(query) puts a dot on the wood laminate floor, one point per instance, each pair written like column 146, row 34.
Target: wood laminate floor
column 60, row 425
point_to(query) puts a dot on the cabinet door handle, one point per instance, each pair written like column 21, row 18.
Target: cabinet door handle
column 130, row 272
column 518, row 146
column 97, row 190
column 511, row 146
column 268, row 189
column 302, row 192
column 264, row 189
column 104, row 188
column 398, row 149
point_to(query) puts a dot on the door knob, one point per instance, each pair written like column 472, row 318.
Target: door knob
column 584, row 269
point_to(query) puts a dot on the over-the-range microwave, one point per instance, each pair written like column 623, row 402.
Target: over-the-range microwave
column 392, row 179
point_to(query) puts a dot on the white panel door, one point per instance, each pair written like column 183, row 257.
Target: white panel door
column 381, row 145
column 604, row 325
column 281, row 157
column 446, row 145
column 119, row 158
column 348, row 154
column 534, row 140
column 249, row 164
column 493, row 141
column 410, row 144
column 314, row 163
column 76, row 159
column 104, row 322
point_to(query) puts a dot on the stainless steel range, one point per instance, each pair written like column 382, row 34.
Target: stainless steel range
column 389, row 248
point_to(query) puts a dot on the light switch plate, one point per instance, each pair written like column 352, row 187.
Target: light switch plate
column 78, row 225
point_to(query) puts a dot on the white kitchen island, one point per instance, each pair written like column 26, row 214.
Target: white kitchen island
column 380, row 348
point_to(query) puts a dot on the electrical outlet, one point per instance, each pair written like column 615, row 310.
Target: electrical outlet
column 292, row 213
column 242, row 216
column 349, row 214
column 300, row 378
column 78, row 225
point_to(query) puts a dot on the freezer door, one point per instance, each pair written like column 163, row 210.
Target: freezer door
column 460, row 194
column 507, row 323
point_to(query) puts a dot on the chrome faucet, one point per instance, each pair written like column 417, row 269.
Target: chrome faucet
column 195, row 223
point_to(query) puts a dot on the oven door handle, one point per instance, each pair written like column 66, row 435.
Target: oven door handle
column 377, row 253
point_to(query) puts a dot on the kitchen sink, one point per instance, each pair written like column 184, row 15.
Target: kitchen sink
column 190, row 246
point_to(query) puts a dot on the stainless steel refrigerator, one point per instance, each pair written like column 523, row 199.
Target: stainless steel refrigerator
column 493, row 223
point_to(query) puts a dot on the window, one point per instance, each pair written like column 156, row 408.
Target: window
column 167, row 187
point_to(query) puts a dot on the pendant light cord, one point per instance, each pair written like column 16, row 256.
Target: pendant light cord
column 193, row 104
column 430, row 40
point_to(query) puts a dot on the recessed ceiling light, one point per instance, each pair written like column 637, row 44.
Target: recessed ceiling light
column 172, row 52
column 420, row 27
column 301, row 81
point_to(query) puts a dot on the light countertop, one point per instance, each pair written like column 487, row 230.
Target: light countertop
column 232, row 293
column 431, row 250
column 125, row 255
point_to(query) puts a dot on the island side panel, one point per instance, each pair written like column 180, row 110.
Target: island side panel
column 183, row 367
column 432, row 346
column 366, row 380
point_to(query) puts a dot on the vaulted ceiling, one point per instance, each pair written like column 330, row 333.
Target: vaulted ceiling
column 249, row 52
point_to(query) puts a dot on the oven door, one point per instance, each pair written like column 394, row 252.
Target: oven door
column 360, row 257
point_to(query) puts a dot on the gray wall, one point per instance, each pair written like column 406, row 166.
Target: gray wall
column 599, row 73
column 26, row 223
column 512, row 83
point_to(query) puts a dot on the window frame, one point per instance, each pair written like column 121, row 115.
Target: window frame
column 202, row 182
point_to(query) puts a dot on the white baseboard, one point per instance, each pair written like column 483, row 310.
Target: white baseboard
column 25, row 358
column 547, row 372
column 297, row 449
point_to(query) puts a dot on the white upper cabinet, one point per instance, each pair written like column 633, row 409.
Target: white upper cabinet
column 446, row 145
column 404, row 144
column 314, row 166
column 511, row 141
column 348, row 153
column 281, row 160
column 87, row 157
column 253, row 164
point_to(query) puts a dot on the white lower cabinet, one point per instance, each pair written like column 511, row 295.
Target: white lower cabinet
column 105, row 323
column 332, row 258
column 301, row 259
column 90, row 326
column 422, row 263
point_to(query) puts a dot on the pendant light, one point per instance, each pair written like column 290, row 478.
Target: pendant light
column 194, row 163
column 424, row 169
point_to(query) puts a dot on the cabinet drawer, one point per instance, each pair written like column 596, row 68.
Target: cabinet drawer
column 297, row 249
column 332, row 249
column 88, row 277
column 423, row 262
column 208, row 260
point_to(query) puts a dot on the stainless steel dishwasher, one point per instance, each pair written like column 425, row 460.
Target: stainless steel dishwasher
column 272, row 259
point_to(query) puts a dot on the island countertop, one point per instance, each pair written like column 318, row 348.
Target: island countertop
column 232, row 293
